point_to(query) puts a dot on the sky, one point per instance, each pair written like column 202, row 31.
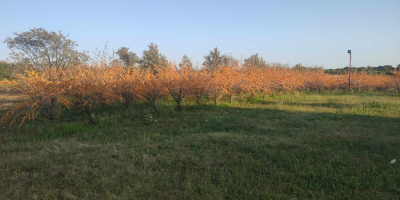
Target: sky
column 313, row 33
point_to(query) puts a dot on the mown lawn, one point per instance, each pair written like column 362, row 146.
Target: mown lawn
column 298, row 146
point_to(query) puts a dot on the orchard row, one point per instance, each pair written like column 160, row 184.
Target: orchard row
column 46, row 93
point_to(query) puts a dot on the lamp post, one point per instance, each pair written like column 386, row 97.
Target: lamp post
column 349, row 52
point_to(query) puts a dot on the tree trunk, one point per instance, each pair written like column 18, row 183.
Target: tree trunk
column 89, row 114
column 178, row 104
column 198, row 101
column 154, row 106
column 129, row 110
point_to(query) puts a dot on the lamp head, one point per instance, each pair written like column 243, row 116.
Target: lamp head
column 348, row 51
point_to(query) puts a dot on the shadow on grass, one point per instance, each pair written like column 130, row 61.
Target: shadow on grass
column 386, row 93
column 344, row 105
column 218, row 152
column 114, row 124
column 371, row 104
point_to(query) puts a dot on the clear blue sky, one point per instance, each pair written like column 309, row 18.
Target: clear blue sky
column 306, row 32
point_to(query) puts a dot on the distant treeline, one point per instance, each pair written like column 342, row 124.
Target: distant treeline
column 10, row 70
column 38, row 49
column 386, row 69
column 6, row 70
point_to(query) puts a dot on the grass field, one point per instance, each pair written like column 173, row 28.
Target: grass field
column 298, row 146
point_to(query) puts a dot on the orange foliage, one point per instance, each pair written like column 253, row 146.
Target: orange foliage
column 178, row 83
column 151, row 87
column 128, row 86
column 91, row 85
column 44, row 94
column 396, row 80
column 87, row 86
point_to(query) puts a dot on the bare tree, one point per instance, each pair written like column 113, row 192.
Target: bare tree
column 45, row 49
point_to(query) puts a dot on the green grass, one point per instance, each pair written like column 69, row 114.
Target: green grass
column 7, row 100
column 300, row 146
